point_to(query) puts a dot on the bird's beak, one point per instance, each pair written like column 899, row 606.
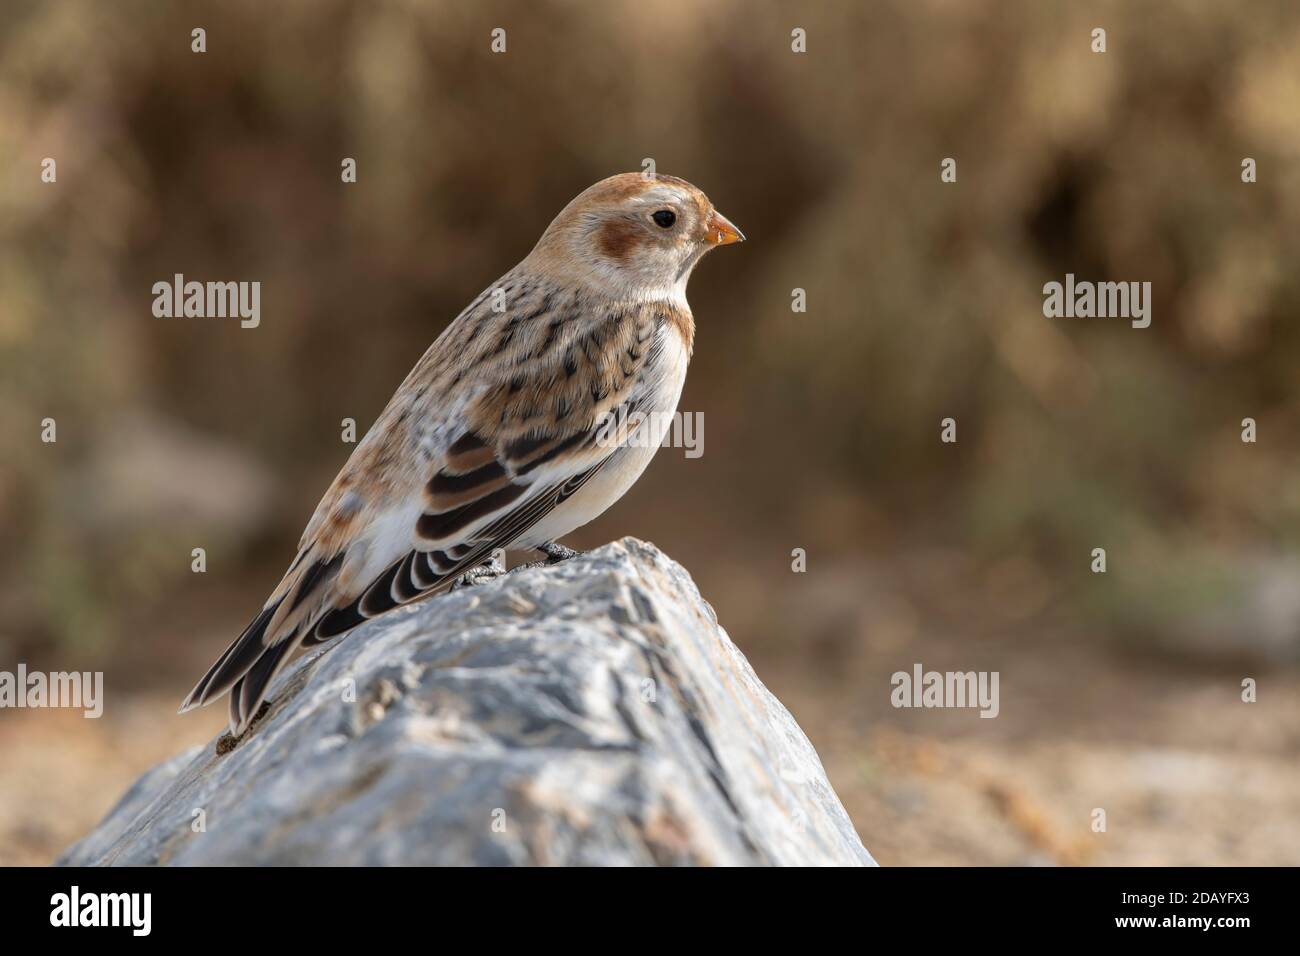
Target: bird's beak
column 720, row 231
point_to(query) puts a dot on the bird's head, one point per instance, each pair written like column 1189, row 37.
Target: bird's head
column 634, row 236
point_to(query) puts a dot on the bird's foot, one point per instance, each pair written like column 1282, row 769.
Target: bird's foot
column 484, row 573
column 555, row 553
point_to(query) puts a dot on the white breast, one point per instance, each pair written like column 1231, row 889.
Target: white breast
column 658, row 393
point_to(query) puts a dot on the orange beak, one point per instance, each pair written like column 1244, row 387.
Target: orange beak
column 720, row 231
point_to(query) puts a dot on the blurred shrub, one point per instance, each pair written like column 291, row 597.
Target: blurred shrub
column 924, row 298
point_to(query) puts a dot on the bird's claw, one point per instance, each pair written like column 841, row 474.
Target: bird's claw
column 494, row 568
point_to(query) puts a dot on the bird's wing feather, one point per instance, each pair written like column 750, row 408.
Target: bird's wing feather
column 524, row 437
column 456, row 530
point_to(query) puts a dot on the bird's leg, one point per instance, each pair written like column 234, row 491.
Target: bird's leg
column 555, row 553
column 494, row 568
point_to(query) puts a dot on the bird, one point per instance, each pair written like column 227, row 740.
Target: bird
column 494, row 441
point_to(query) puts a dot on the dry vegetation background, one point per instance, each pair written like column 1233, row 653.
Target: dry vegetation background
column 1119, row 691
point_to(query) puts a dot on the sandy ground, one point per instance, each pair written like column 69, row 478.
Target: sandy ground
column 62, row 772
column 1186, row 773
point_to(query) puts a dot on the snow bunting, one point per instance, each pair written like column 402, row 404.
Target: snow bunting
column 492, row 440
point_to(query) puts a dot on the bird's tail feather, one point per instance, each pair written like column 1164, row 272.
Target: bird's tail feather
column 249, row 690
column 245, row 655
column 246, row 669
column 234, row 662
column 253, row 659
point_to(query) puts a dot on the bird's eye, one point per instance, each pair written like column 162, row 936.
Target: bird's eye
column 664, row 218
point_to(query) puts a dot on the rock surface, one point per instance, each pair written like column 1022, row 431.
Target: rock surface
column 589, row 713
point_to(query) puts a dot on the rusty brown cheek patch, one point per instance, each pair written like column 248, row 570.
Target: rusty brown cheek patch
column 619, row 239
